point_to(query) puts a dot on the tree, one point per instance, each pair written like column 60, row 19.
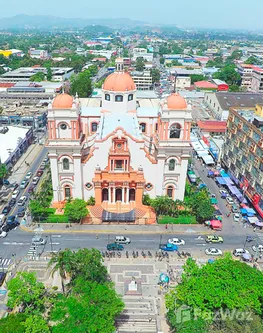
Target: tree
column 62, row 262
column 36, row 324
column 38, row 77
column 217, row 62
column 228, row 74
column 175, row 63
column 252, row 60
column 146, row 200
column 91, row 307
column 201, row 205
column 91, row 201
column 197, row 77
column 125, row 53
column 3, row 171
column 76, row 209
column 13, row 323
column 139, row 64
column 155, row 73
column 27, row 292
column 81, row 84
column 162, row 60
column 49, row 74
column 234, row 88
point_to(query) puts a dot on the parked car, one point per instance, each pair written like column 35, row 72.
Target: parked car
column 31, row 188
column 12, row 202
column 2, row 278
column 176, row 241
column 10, row 226
column 6, row 210
column 46, row 159
column 39, row 173
column 14, row 186
column 236, row 217
column 214, row 239
column 21, row 211
column 168, row 247
column 42, row 166
column 2, row 219
column 24, row 184
column 122, row 240
column 38, row 240
column 223, row 193
column 230, row 201
column 239, row 252
column 15, row 194
column 115, row 247
column 35, row 180
column 3, row 234
column 22, row 201
column 10, row 219
column 234, row 209
column 212, row 251
column 28, row 175
column 257, row 248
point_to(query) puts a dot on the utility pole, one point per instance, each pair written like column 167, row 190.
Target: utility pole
column 51, row 244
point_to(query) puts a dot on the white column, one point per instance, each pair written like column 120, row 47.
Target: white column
column 55, row 177
column 78, row 177
column 122, row 196
column 179, row 193
column 159, row 176
column 114, row 194
column 109, row 194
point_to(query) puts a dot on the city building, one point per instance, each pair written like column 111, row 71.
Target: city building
column 182, row 82
column 221, row 85
column 246, row 72
column 25, row 73
column 14, row 141
column 38, row 54
column 205, row 86
column 243, row 152
column 219, row 103
column 142, row 80
column 207, row 128
column 118, row 148
column 142, row 53
column 257, row 80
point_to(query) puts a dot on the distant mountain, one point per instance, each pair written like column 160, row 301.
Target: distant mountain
column 52, row 22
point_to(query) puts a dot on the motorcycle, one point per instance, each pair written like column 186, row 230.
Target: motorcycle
column 119, row 254
column 149, row 254
column 127, row 254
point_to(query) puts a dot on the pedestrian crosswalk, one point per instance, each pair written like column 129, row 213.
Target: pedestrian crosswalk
column 4, row 263
column 32, row 251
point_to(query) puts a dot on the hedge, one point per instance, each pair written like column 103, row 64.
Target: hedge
column 177, row 220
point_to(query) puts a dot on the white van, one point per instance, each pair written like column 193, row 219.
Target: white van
column 122, row 240
column 2, row 219
column 239, row 252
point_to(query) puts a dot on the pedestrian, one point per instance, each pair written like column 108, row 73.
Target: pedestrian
column 166, row 226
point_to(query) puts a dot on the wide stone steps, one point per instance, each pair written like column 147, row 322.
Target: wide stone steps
column 136, row 326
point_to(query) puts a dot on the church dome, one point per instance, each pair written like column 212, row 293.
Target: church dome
column 119, row 81
column 176, row 102
column 62, row 101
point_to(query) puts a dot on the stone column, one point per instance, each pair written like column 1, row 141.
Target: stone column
column 109, row 194
column 114, row 194
column 122, row 195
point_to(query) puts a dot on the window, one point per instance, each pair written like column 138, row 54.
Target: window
column 143, row 127
column 156, row 127
column 171, row 165
column 118, row 164
column 63, row 126
column 67, row 192
column 65, row 164
column 170, row 191
column 107, row 97
column 175, row 131
column 118, row 98
column 130, row 97
column 94, row 127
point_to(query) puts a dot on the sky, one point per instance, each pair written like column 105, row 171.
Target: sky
column 227, row 14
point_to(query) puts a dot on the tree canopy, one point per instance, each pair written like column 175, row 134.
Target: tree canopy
column 38, row 77
column 228, row 74
column 155, row 73
column 81, row 84
column 197, row 77
column 252, row 60
column 139, row 64
column 76, row 209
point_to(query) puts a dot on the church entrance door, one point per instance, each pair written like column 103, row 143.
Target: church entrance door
column 118, row 194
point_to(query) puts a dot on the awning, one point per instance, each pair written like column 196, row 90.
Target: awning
column 216, row 224
column 115, row 217
column 221, row 180
column 202, row 153
column 252, row 219
column 228, row 180
column 213, row 200
column 233, row 189
column 259, row 224
column 208, row 159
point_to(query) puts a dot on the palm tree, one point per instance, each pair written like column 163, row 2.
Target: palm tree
column 62, row 262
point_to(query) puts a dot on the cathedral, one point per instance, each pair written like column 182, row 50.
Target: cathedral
column 119, row 150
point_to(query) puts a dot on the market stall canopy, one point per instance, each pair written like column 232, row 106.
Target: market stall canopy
column 221, row 180
column 216, row 224
column 208, row 159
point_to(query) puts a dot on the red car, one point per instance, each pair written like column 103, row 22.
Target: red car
column 39, row 173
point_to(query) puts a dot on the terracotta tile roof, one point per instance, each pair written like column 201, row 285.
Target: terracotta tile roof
column 212, row 126
column 205, row 85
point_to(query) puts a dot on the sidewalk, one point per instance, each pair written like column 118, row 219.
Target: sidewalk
column 115, row 228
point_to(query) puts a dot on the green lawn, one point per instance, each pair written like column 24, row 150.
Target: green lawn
column 177, row 220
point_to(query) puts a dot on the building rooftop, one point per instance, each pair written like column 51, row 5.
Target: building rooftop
column 212, row 125
column 205, row 85
column 228, row 100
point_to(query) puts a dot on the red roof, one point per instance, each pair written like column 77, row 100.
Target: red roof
column 212, row 125
column 205, row 85
column 6, row 85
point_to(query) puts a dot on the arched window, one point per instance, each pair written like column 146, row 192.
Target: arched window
column 67, row 192
column 175, row 131
column 156, row 127
column 170, row 191
column 130, row 97
column 94, row 127
column 143, row 127
column 118, row 98
column 107, row 97
column 65, row 164
column 171, row 165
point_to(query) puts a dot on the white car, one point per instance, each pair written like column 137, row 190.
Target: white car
column 22, row 201
column 176, row 241
column 15, row 194
column 257, row 248
column 236, row 217
column 212, row 251
column 3, row 234
column 223, row 192
column 37, row 240
column 229, row 200
column 35, row 180
column 122, row 240
column 28, row 175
